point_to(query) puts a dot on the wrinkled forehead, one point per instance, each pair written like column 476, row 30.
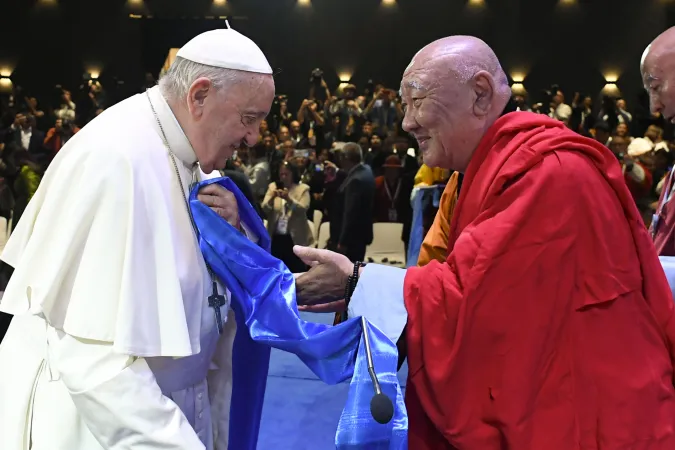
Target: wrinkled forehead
column 419, row 79
column 252, row 88
column 431, row 73
column 651, row 65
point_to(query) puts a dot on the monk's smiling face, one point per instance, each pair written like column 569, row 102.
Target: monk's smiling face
column 451, row 97
column 658, row 74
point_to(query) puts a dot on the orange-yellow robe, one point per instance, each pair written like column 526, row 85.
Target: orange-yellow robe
column 435, row 245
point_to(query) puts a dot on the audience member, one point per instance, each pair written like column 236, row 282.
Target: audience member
column 351, row 227
column 285, row 206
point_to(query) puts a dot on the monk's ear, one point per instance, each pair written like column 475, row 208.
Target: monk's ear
column 197, row 94
column 483, row 86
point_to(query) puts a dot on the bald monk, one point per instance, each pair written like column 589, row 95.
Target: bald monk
column 658, row 74
column 550, row 324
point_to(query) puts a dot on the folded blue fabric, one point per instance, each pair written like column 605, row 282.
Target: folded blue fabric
column 263, row 299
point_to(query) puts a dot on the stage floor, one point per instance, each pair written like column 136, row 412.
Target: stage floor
column 300, row 412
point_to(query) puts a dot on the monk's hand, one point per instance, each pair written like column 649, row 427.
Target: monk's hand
column 221, row 201
column 322, row 288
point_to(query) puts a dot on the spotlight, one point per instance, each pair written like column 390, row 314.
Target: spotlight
column 5, row 81
column 518, row 89
column 219, row 2
column 92, row 73
column 611, row 77
column 388, row 2
column 518, row 77
column 476, row 3
column 304, row 2
column 345, row 77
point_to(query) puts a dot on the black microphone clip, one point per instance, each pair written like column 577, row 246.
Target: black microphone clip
column 381, row 406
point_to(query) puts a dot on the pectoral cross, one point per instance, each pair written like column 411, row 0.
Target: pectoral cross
column 217, row 301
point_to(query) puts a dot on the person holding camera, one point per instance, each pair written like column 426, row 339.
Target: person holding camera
column 58, row 135
column 285, row 205
column 279, row 115
column 318, row 88
column 384, row 112
column 311, row 121
column 350, row 114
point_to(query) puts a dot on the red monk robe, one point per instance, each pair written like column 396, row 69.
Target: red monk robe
column 550, row 326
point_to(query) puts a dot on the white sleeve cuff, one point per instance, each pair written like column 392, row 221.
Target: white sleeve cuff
column 379, row 298
column 249, row 234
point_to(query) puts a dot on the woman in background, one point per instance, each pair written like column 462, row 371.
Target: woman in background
column 285, row 206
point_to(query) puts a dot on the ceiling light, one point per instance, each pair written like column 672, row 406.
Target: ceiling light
column 345, row 77
column 611, row 77
column 518, row 77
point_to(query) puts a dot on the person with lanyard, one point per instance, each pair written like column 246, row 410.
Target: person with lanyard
column 285, row 206
column 388, row 191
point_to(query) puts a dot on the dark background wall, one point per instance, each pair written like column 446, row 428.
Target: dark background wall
column 550, row 43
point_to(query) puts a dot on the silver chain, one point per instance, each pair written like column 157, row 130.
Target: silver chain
column 179, row 178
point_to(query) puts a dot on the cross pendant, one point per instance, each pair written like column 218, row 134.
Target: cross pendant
column 217, row 301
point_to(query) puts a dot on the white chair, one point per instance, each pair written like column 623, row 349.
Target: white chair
column 387, row 244
column 318, row 216
column 324, row 235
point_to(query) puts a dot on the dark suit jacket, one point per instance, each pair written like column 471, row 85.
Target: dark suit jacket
column 36, row 147
column 352, row 222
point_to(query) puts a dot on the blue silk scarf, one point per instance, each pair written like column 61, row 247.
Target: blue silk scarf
column 263, row 299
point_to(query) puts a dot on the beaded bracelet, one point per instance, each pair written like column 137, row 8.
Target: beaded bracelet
column 350, row 287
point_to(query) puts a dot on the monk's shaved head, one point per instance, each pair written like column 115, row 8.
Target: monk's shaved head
column 453, row 90
column 658, row 73
column 460, row 57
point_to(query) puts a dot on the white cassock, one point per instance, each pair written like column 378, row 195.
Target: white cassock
column 114, row 345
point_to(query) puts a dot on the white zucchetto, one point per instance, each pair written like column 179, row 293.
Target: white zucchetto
column 228, row 49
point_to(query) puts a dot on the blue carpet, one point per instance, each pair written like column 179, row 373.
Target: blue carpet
column 301, row 412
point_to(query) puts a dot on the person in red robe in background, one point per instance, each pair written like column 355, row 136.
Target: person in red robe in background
column 658, row 74
column 550, row 323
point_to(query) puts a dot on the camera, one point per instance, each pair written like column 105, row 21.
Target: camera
column 369, row 91
column 550, row 92
column 275, row 110
column 317, row 76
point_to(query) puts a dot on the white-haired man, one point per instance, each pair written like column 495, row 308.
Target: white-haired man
column 114, row 344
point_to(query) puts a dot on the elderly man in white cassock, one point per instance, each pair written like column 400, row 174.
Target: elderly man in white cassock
column 115, row 344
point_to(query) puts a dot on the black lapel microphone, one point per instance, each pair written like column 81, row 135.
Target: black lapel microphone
column 381, row 406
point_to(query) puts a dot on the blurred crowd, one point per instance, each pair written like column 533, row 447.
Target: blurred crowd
column 341, row 156
column 641, row 141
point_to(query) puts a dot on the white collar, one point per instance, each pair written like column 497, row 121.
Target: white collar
column 178, row 141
